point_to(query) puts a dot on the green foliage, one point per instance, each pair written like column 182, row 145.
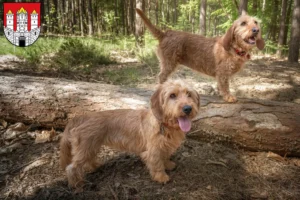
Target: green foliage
column 123, row 76
column 79, row 54
column 33, row 53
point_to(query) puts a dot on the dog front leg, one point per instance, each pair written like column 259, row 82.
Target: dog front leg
column 156, row 165
column 223, row 87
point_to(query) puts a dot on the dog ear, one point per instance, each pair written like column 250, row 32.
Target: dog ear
column 260, row 43
column 227, row 39
column 197, row 95
column 198, row 99
column 156, row 104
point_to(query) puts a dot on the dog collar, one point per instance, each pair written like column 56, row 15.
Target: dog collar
column 242, row 53
column 163, row 126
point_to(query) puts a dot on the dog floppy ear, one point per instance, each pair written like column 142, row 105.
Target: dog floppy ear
column 228, row 37
column 198, row 99
column 156, row 104
column 260, row 43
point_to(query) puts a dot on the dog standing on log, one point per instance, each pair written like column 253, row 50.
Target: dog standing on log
column 220, row 57
column 153, row 134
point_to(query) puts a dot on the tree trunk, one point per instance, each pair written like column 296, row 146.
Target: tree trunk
column 156, row 13
column 55, row 17
column 116, row 17
column 175, row 12
column 73, row 10
column 42, row 16
column 132, row 12
column 255, row 6
column 252, row 124
column 202, row 19
column 287, row 21
column 80, row 17
column 139, row 25
column 282, row 28
column 90, row 18
column 274, row 27
column 243, row 6
column 295, row 33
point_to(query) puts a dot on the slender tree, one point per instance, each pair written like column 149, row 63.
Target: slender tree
column 282, row 28
column 295, row 34
column 202, row 29
column 90, row 17
column 243, row 6
column 287, row 21
column 139, row 25
column 80, row 17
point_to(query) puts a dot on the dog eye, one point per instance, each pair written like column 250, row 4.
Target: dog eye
column 172, row 96
column 255, row 22
column 188, row 94
column 243, row 23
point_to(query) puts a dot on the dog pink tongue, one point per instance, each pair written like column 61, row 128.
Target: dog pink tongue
column 185, row 124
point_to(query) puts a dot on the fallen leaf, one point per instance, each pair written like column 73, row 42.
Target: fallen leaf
column 3, row 122
column 14, row 130
column 275, row 156
column 10, row 148
column 209, row 187
column 45, row 136
column 33, row 165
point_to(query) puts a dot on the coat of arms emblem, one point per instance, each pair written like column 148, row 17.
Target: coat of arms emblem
column 22, row 23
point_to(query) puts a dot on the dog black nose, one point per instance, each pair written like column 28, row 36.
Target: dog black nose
column 255, row 30
column 187, row 109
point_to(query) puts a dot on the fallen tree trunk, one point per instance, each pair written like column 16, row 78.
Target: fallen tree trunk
column 251, row 124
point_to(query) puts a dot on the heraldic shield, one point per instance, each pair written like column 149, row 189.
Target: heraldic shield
column 22, row 22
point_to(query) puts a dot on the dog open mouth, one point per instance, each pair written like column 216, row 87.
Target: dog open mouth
column 185, row 124
column 251, row 40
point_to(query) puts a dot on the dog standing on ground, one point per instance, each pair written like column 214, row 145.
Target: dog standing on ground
column 220, row 57
column 153, row 134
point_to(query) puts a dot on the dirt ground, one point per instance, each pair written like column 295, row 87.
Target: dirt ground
column 204, row 170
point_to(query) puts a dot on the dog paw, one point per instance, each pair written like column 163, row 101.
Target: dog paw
column 161, row 177
column 230, row 98
column 170, row 165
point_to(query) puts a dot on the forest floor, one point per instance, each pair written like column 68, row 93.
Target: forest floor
column 204, row 170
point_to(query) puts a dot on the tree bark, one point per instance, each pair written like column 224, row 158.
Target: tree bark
column 90, row 18
column 139, row 25
column 175, row 12
column 295, row 34
column 255, row 6
column 273, row 26
column 282, row 28
column 243, row 6
column 287, row 21
column 156, row 12
column 202, row 19
column 251, row 124
column 80, row 17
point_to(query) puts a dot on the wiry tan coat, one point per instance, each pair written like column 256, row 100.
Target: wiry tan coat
column 152, row 134
column 220, row 57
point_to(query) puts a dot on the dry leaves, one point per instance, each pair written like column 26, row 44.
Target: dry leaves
column 45, row 136
column 14, row 131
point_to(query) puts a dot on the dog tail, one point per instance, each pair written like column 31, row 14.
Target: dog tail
column 153, row 29
column 65, row 151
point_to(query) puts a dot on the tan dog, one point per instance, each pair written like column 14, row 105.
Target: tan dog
column 152, row 134
column 220, row 57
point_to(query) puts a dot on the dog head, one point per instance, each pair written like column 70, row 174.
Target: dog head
column 175, row 104
column 244, row 33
